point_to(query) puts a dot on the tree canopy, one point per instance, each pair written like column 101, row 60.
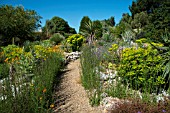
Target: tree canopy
column 58, row 25
column 84, row 20
column 17, row 23
column 140, row 20
column 110, row 21
column 145, row 5
column 153, row 16
column 159, row 22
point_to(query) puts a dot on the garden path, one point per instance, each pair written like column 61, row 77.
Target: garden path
column 71, row 96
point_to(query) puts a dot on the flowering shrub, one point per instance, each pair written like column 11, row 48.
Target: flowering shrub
column 12, row 53
column 76, row 41
column 141, row 67
column 43, row 52
column 22, row 61
column 30, row 89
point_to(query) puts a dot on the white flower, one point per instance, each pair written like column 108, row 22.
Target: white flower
column 159, row 98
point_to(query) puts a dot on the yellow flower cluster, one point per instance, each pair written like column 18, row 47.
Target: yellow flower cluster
column 52, row 106
column 75, row 41
column 113, row 48
column 139, row 65
column 144, row 42
column 43, row 52
column 12, row 54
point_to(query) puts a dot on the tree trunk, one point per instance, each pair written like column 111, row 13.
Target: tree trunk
column 13, row 40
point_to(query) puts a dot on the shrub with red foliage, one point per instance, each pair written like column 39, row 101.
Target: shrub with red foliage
column 141, row 107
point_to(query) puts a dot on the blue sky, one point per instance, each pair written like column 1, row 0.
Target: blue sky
column 73, row 10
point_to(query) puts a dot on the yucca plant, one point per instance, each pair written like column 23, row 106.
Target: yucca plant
column 91, row 30
column 165, row 53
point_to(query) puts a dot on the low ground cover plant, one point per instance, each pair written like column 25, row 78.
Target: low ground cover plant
column 136, row 106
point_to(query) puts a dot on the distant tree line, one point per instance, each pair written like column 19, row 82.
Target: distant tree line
column 18, row 25
column 94, row 30
column 148, row 19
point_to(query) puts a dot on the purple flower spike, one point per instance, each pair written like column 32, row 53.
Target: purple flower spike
column 139, row 112
column 163, row 111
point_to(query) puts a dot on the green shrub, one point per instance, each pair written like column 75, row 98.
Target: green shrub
column 27, row 46
column 106, row 37
column 101, row 43
column 57, row 38
column 141, row 68
column 76, row 41
column 66, row 46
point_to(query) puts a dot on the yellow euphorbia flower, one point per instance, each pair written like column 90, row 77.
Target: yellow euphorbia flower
column 52, row 106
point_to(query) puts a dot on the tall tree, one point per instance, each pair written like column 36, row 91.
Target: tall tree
column 158, row 15
column 126, row 18
column 107, row 23
column 145, row 5
column 58, row 25
column 17, row 23
column 110, row 21
column 140, row 20
column 159, row 22
column 84, row 20
column 122, row 26
column 98, row 29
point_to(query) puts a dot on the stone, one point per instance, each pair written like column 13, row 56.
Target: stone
column 71, row 56
column 109, row 103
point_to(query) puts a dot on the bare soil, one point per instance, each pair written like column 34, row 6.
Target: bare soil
column 70, row 96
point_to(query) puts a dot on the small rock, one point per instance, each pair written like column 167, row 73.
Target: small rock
column 71, row 56
column 109, row 103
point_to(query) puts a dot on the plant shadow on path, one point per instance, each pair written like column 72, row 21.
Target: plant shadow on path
column 60, row 98
column 69, row 94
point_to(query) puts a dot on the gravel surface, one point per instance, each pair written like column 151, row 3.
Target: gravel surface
column 70, row 96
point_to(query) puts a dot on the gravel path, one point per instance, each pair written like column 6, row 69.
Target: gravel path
column 70, row 95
